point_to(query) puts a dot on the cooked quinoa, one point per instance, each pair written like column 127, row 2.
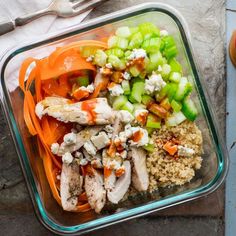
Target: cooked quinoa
column 166, row 170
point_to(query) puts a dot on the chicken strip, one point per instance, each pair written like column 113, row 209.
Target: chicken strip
column 89, row 112
column 140, row 178
column 71, row 185
column 121, row 186
column 81, row 138
column 95, row 191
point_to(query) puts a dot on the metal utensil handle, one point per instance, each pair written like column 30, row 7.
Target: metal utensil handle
column 19, row 21
column 6, row 25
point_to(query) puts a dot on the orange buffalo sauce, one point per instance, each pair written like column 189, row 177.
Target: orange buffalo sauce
column 137, row 136
column 89, row 106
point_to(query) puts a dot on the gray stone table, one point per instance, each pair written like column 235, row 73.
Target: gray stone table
column 203, row 217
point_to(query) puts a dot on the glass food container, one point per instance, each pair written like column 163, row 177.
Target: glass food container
column 215, row 159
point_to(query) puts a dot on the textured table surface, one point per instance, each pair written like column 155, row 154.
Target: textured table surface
column 206, row 20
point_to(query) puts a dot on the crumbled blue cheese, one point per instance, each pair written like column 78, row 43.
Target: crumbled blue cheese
column 137, row 53
column 185, row 151
column 144, row 138
column 164, row 33
column 126, row 75
column 70, row 138
column 90, row 58
column 116, row 90
column 109, row 129
column 90, row 148
column 154, row 83
column 55, row 148
column 101, row 140
column 39, row 108
column 125, row 116
column 67, row 158
column 90, row 88
column 140, row 112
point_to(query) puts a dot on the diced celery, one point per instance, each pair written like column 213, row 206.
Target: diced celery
column 147, row 100
column 175, row 119
column 88, row 51
column 151, row 45
column 165, row 103
column 166, row 69
column 128, row 107
column 175, row 66
column 83, row 81
column 172, row 88
column 123, row 31
column 149, row 130
column 100, row 58
column 176, row 106
column 112, row 41
column 189, row 109
column 170, row 49
column 153, row 121
column 134, row 71
column 126, row 87
column 163, row 93
column 115, row 51
column 122, row 43
column 135, row 41
column 175, row 77
column 137, row 91
column 127, row 53
column 149, row 147
column 133, row 30
column 149, row 28
column 117, row 63
column 156, row 58
column 138, row 106
column 119, row 102
column 184, row 88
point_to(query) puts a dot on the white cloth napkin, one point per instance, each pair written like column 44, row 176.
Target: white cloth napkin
column 43, row 25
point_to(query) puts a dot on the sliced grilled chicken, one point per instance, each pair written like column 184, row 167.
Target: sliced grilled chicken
column 140, row 178
column 117, row 126
column 71, row 185
column 89, row 112
column 95, row 190
column 121, row 186
column 81, row 138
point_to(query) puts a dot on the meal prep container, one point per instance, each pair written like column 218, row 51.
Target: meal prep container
column 215, row 160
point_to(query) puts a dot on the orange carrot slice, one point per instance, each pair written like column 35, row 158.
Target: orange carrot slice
column 170, row 148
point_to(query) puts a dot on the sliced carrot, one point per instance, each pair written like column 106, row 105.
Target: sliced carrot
column 170, row 148
column 75, row 46
column 82, row 197
column 24, row 67
column 31, row 78
column 83, row 208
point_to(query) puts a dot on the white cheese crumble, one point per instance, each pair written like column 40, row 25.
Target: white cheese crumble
column 144, row 137
column 55, row 148
column 90, row 148
column 90, row 58
column 164, row 33
column 109, row 129
column 116, row 90
column 39, row 108
column 125, row 116
column 90, row 88
column 124, row 154
column 154, row 83
column 70, row 138
column 101, row 140
column 109, row 65
column 185, row 151
column 137, row 53
column 140, row 112
column 112, row 163
column 126, row 75
column 67, row 158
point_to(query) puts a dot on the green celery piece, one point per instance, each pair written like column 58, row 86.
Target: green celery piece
column 175, row 119
column 134, row 71
column 122, row 43
column 175, row 77
column 176, row 106
column 147, row 99
column 112, row 41
column 137, row 91
column 128, row 106
column 126, row 87
column 83, row 81
column 183, row 90
column 151, row 45
column 149, row 147
column 135, row 41
column 172, row 91
column 175, row 66
column 148, row 28
column 123, row 31
column 189, row 109
column 153, row 121
column 100, row 58
column 119, row 102
column 115, row 51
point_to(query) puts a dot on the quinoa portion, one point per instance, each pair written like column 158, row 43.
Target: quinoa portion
column 165, row 170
